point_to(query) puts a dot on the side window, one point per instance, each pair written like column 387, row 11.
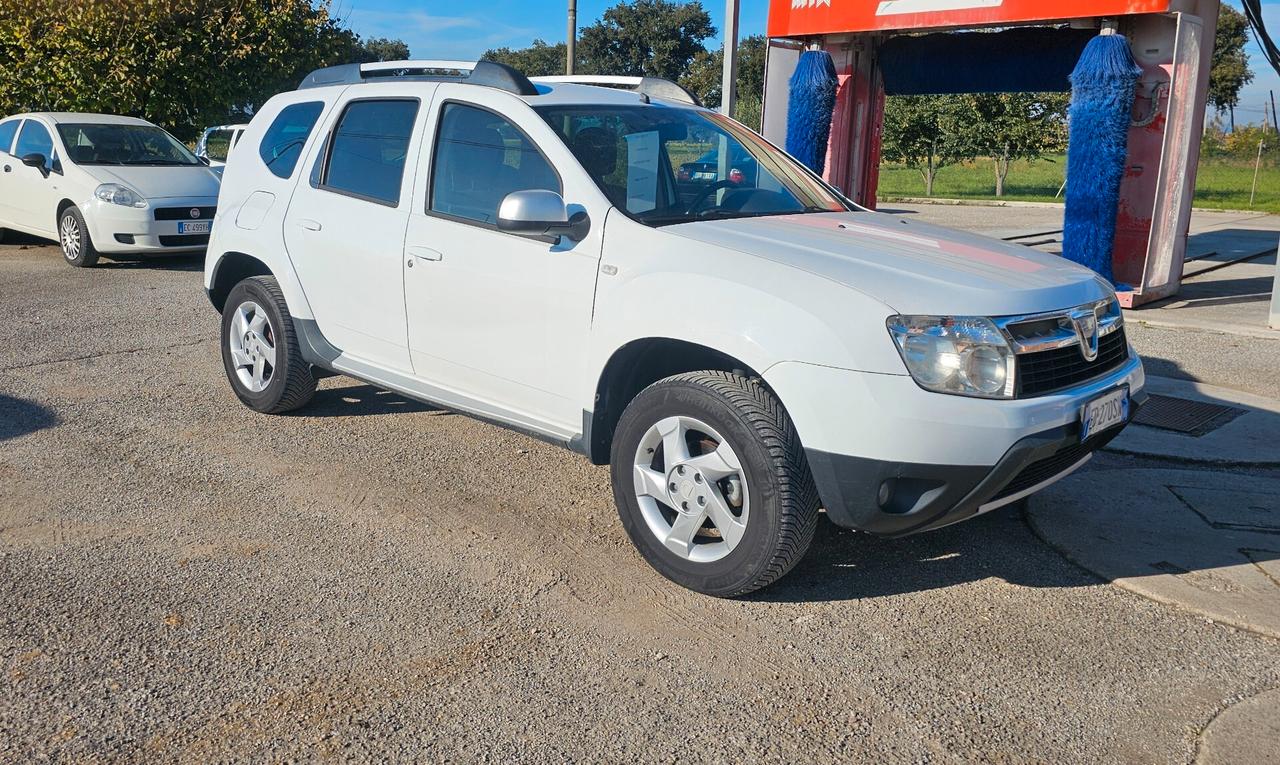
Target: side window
column 479, row 158
column 367, row 150
column 281, row 145
column 7, row 131
column 217, row 145
column 34, row 139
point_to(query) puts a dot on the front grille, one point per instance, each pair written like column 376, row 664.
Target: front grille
column 184, row 213
column 1049, row 371
column 184, row 240
column 1043, row 469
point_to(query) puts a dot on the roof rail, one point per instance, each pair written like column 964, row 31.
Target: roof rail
column 646, row 86
column 486, row 73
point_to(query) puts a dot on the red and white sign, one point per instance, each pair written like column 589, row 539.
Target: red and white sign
column 800, row 18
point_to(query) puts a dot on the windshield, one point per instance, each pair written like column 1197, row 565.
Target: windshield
column 98, row 144
column 665, row 165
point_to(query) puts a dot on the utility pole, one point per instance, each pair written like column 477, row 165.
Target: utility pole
column 571, row 38
column 728, row 93
column 1275, row 121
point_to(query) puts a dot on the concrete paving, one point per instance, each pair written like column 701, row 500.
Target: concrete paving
column 1207, row 542
column 1251, row 438
column 1246, row 733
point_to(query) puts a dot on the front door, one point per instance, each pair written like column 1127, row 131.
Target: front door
column 37, row 193
column 500, row 318
column 345, row 227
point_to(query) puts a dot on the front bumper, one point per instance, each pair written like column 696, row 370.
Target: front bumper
column 945, row 458
column 921, row 497
column 118, row 230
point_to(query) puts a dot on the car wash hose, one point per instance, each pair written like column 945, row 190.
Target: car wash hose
column 810, row 105
column 1102, row 93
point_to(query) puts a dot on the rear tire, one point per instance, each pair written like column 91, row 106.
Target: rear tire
column 736, row 450
column 73, row 237
column 260, row 351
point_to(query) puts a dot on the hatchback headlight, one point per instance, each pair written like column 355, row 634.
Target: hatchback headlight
column 965, row 355
column 119, row 195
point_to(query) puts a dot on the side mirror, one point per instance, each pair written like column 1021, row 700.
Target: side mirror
column 36, row 160
column 538, row 213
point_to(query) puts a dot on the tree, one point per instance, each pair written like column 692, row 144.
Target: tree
column 538, row 60
column 705, row 77
column 1011, row 126
column 183, row 64
column 657, row 38
column 1230, row 69
column 380, row 49
column 923, row 132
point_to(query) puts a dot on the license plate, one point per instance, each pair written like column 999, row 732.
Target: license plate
column 701, row 176
column 1105, row 411
column 194, row 227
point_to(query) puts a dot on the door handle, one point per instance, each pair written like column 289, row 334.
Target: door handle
column 308, row 224
column 424, row 253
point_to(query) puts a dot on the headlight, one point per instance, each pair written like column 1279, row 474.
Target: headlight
column 119, row 195
column 966, row 355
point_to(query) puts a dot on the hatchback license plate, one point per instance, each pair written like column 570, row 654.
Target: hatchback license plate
column 1105, row 411
column 193, row 227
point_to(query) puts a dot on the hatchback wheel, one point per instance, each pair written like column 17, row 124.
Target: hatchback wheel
column 260, row 349
column 711, row 483
column 73, row 236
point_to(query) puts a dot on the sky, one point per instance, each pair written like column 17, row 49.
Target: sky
column 464, row 30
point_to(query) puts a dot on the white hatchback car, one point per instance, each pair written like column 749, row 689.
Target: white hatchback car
column 103, row 185
column 743, row 349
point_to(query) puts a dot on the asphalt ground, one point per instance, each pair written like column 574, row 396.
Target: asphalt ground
column 182, row 579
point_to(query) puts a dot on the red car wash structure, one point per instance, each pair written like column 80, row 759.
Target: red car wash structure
column 911, row 47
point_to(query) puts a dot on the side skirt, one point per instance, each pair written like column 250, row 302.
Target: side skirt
column 319, row 352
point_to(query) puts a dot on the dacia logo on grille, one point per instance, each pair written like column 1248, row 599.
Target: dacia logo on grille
column 1085, row 322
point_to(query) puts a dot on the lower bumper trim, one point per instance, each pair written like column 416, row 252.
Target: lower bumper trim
column 898, row 498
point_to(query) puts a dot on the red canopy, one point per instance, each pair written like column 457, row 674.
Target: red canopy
column 799, row 18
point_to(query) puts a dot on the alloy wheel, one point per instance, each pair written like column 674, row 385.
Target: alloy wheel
column 69, row 236
column 252, row 345
column 691, row 489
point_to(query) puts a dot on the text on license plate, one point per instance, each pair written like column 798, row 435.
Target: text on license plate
column 193, row 227
column 1105, row 411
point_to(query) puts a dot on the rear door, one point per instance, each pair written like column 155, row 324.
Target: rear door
column 346, row 223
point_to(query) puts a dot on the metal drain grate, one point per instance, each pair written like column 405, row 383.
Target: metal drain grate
column 1192, row 418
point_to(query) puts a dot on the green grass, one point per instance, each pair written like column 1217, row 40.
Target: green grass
column 1220, row 183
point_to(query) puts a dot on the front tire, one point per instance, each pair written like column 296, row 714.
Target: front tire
column 260, row 349
column 712, row 484
column 73, row 237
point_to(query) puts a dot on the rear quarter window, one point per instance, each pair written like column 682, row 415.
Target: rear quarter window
column 282, row 144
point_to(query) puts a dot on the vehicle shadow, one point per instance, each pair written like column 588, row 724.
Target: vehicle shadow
column 19, row 417
column 156, row 262
column 848, row 565
column 360, row 400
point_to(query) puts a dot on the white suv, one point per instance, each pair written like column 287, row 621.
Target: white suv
column 742, row 344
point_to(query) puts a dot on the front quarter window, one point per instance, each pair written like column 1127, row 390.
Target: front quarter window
column 665, row 165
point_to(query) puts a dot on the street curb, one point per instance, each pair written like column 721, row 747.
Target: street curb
column 1225, row 328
